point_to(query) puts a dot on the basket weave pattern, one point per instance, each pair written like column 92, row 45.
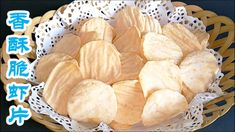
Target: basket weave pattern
column 221, row 37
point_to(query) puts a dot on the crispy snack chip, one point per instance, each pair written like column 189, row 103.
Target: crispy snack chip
column 129, row 41
column 198, row 70
column 139, row 58
column 185, row 39
column 130, row 102
column 92, row 101
column 47, row 63
column 163, row 105
column 202, row 37
column 62, row 79
column 128, row 17
column 132, row 16
column 70, row 44
column 100, row 60
column 157, row 75
column 188, row 94
column 118, row 126
column 157, row 47
column 131, row 64
column 152, row 25
column 104, row 30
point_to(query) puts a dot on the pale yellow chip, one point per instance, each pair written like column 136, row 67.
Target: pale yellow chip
column 79, row 26
column 104, row 30
column 62, row 79
column 198, row 70
column 88, row 37
column 70, row 44
column 100, row 60
column 188, row 94
column 163, row 105
column 130, row 102
column 157, row 75
column 203, row 37
column 157, row 47
column 184, row 38
column 131, row 64
column 119, row 127
column 128, row 17
column 92, row 101
column 129, row 41
column 132, row 16
column 47, row 63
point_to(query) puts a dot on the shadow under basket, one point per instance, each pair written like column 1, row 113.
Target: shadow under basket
column 220, row 28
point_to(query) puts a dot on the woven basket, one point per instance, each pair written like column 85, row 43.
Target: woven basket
column 221, row 37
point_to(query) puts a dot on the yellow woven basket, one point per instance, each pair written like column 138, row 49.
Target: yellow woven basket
column 221, row 25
